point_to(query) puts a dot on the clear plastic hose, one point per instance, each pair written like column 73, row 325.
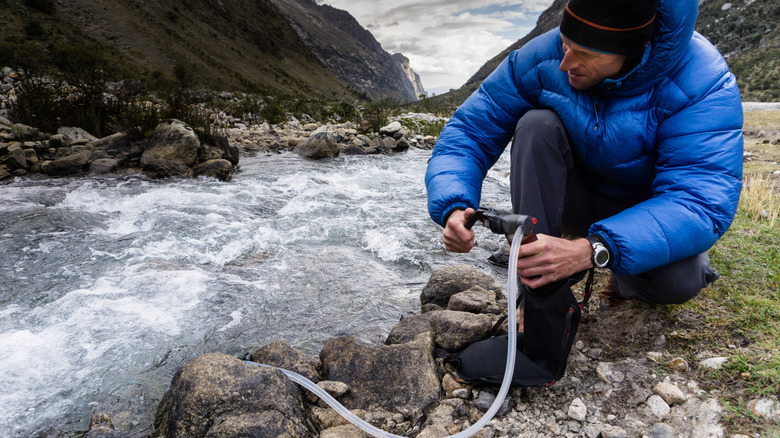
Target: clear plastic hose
column 505, row 384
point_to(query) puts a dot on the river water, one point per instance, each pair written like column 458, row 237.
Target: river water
column 109, row 284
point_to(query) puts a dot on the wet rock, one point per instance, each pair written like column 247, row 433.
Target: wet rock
column 398, row 378
column 219, row 395
column 451, row 280
column 219, row 169
column 158, row 168
column 69, row 165
column 103, row 165
column 173, row 140
column 282, row 355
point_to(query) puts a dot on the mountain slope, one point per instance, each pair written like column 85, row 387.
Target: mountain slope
column 249, row 45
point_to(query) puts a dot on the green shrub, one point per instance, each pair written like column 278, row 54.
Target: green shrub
column 273, row 113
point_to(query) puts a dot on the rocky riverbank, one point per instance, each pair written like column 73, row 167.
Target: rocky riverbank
column 619, row 382
column 175, row 150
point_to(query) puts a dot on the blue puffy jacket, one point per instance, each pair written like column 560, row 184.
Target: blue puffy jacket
column 669, row 130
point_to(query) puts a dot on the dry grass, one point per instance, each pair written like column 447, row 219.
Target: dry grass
column 760, row 199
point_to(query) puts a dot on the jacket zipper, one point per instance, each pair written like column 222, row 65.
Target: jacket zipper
column 595, row 110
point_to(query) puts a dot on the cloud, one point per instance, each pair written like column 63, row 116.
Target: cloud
column 446, row 41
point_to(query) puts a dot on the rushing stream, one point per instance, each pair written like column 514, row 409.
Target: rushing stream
column 109, row 284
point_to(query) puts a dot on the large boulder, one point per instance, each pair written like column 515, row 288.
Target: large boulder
column 392, row 378
column 69, row 165
column 173, row 140
column 323, row 144
column 451, row 280
column 216, row 395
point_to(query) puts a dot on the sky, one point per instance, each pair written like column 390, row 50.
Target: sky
column 446, row 41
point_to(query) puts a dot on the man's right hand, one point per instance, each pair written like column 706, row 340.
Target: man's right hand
column 456, row 237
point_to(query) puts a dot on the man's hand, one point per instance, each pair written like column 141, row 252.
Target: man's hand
column 550, row 259
column 456, row 237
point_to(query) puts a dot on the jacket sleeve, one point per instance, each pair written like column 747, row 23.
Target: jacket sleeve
column 478, row 133
column 697, row 185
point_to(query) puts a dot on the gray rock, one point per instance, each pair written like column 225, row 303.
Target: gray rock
column 173, row 140
column 391, row 129
column 475, row 300
column 70, row 165
column 455, row 330
column 613, row 432
column 4, row 173
column 157, row 168
column 657, row 406
column 485, row 399
column 335, row 389
column 218, row 395
column 283, row 355
column 448, row 281
column 58, row 141
column 76, row 136
column 408, row 329
column 318, row 146
column 16, row 157
column 661, row 430
column 670, row 393
column 103, row 165
column 395, row 378
column 577, row 410
column 27, row 133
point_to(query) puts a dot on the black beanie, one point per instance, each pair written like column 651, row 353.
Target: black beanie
column 620, row 27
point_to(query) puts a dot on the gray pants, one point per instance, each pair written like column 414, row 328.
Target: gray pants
column 547, row 183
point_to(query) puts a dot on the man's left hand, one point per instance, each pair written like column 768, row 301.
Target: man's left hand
column 550, row 259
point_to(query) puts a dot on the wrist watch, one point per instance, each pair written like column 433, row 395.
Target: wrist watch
column 600, row 255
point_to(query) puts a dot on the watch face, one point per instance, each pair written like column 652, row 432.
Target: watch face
column 602, row 257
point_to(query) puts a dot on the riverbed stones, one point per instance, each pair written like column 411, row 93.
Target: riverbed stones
column 219, row 395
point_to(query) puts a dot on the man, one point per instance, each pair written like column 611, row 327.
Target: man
column 626, row 129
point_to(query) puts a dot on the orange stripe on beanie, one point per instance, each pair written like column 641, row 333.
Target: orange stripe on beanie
column 619, row 27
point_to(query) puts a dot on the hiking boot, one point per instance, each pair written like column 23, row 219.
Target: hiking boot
column 609, row 297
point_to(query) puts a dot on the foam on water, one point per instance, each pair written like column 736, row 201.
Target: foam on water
column 111, row 284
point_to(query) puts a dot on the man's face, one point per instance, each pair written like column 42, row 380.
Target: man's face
column 586, row 67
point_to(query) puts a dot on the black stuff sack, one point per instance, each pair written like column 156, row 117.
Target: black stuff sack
column 552, row 317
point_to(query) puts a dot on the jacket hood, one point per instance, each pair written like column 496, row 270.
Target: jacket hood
column 675, row 22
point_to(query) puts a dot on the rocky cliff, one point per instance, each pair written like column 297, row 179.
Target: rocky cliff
column 349, row 51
